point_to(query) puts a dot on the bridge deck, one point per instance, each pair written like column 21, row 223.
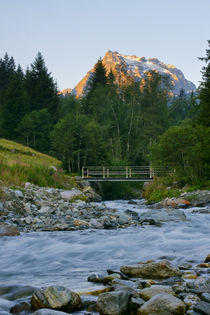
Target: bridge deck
column 92, row 179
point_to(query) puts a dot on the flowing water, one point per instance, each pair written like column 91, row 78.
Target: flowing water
column 68, row 258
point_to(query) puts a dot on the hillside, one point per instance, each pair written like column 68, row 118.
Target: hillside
column 20, row 164
column 124, row 66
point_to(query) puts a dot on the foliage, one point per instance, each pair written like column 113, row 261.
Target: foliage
column 204, row 91
column 184, row 149
column 160, row 189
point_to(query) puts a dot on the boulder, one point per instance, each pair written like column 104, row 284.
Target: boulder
column 154, row 270
column 113, row 303
column 207, row 260
column 202, row 307
column 91, row 194
column 148, row 293
column 8, row 230
column 164, row 215
column 95, row 224
column 162, row 304
column 56, row 297
column 71, row 194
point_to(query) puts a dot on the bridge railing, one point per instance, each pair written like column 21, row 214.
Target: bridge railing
column 127, row 172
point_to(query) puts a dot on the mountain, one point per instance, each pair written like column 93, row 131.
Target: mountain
column 125, row 65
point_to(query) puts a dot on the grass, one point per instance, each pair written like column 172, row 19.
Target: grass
column 20, row 164
column 161, row 188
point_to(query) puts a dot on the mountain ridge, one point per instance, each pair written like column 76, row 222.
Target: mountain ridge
column 124, row 66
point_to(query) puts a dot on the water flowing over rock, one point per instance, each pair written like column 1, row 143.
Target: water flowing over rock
column 112, row 303
column 56, row 297
column 45, row 311
column 161, row 269
column 164, row 215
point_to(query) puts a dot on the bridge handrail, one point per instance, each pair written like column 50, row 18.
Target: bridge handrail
column 121, row 171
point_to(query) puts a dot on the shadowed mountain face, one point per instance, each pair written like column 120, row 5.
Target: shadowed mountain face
column 124, row 66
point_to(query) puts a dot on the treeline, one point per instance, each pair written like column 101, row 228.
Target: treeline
column 113, row 124
column 185, row 147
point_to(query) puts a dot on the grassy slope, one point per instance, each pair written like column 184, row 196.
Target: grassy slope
column 20, row 164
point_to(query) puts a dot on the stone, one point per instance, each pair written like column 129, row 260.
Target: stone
column 56, row 297
column 148, row 293
column 162, row 304
column 202, row 307
column 185, row 266
column 45, row 311
column 190, row 300
column 95, row 224
column 71, row 194
column 113, row 303
column 207, row 260
column 78, row 222
column 205, row 297
column 20, row 307
column 190, row 276
column 135, row 304
column 8, row 230
column 125, row 285
column 18, row 194
column 111, row 277
column 96, row 278
column 154, row 270
column 164, row 215
column 44, row 209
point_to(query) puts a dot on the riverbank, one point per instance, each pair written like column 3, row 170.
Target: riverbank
column 35, row 208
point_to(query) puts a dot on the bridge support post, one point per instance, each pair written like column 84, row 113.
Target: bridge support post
column 107, row 173
column 126, row 172
column 150, row 172
column 104, row 172
column 83, row 174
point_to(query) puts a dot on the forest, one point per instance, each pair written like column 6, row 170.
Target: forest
column 132, row 123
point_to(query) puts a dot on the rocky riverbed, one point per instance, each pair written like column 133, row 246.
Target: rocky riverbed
column 91, row 257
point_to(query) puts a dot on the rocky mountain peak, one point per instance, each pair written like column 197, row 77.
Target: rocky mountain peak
column 136, row 67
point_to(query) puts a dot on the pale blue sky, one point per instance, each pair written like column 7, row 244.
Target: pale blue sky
column 72, row 35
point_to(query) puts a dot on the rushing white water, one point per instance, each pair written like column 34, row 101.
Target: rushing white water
column 68, row 258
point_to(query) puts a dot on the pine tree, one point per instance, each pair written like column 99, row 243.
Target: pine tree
column 204, row 91
column 40, row 88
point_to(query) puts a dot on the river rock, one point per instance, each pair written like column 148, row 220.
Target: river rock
column 56, row 297
column 46, row 311
column 71, row 194
column 8, row 230
column 148, row 293
column 162, row 304
column 207, row 260
column 20, row 307
column 164, row 215
column 95, row 224
column 202, row 307
column 205, row 297
column 161, row 269
column 113, row 303
column 91, row 194
column 197, row 198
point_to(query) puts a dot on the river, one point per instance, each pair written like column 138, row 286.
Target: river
column 68, row 258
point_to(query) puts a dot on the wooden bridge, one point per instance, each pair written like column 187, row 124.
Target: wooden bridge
column 120, row 173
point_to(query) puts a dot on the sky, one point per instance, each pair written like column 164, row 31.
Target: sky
column 73, row 34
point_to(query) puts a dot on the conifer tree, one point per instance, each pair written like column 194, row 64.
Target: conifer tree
column 40, row 87
column 204, row 91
